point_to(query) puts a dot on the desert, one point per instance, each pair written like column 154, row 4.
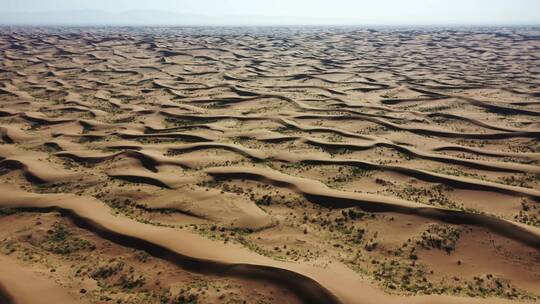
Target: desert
column 269, row 165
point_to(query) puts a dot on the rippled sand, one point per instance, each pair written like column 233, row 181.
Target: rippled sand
column 271, row 165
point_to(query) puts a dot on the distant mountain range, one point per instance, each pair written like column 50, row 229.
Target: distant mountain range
column 96, row 17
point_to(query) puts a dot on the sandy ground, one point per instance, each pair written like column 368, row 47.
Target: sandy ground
column 300, row 165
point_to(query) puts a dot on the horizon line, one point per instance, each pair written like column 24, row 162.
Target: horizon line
column 99, row 17
column 501, row 24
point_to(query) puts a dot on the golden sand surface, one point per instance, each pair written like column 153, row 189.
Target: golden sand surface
column 269, row 165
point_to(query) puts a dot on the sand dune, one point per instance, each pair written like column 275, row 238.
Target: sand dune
column 305, row 165
column 21, row 285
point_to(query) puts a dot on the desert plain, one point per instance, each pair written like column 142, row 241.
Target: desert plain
column 269, row 165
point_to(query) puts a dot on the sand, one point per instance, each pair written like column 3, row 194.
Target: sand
column 272, row 165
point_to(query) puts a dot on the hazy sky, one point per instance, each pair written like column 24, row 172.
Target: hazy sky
column 361, row 11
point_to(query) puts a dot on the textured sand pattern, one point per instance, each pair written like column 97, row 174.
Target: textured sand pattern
column 277, row 165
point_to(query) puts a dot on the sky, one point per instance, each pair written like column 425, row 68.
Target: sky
column 377, row 12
